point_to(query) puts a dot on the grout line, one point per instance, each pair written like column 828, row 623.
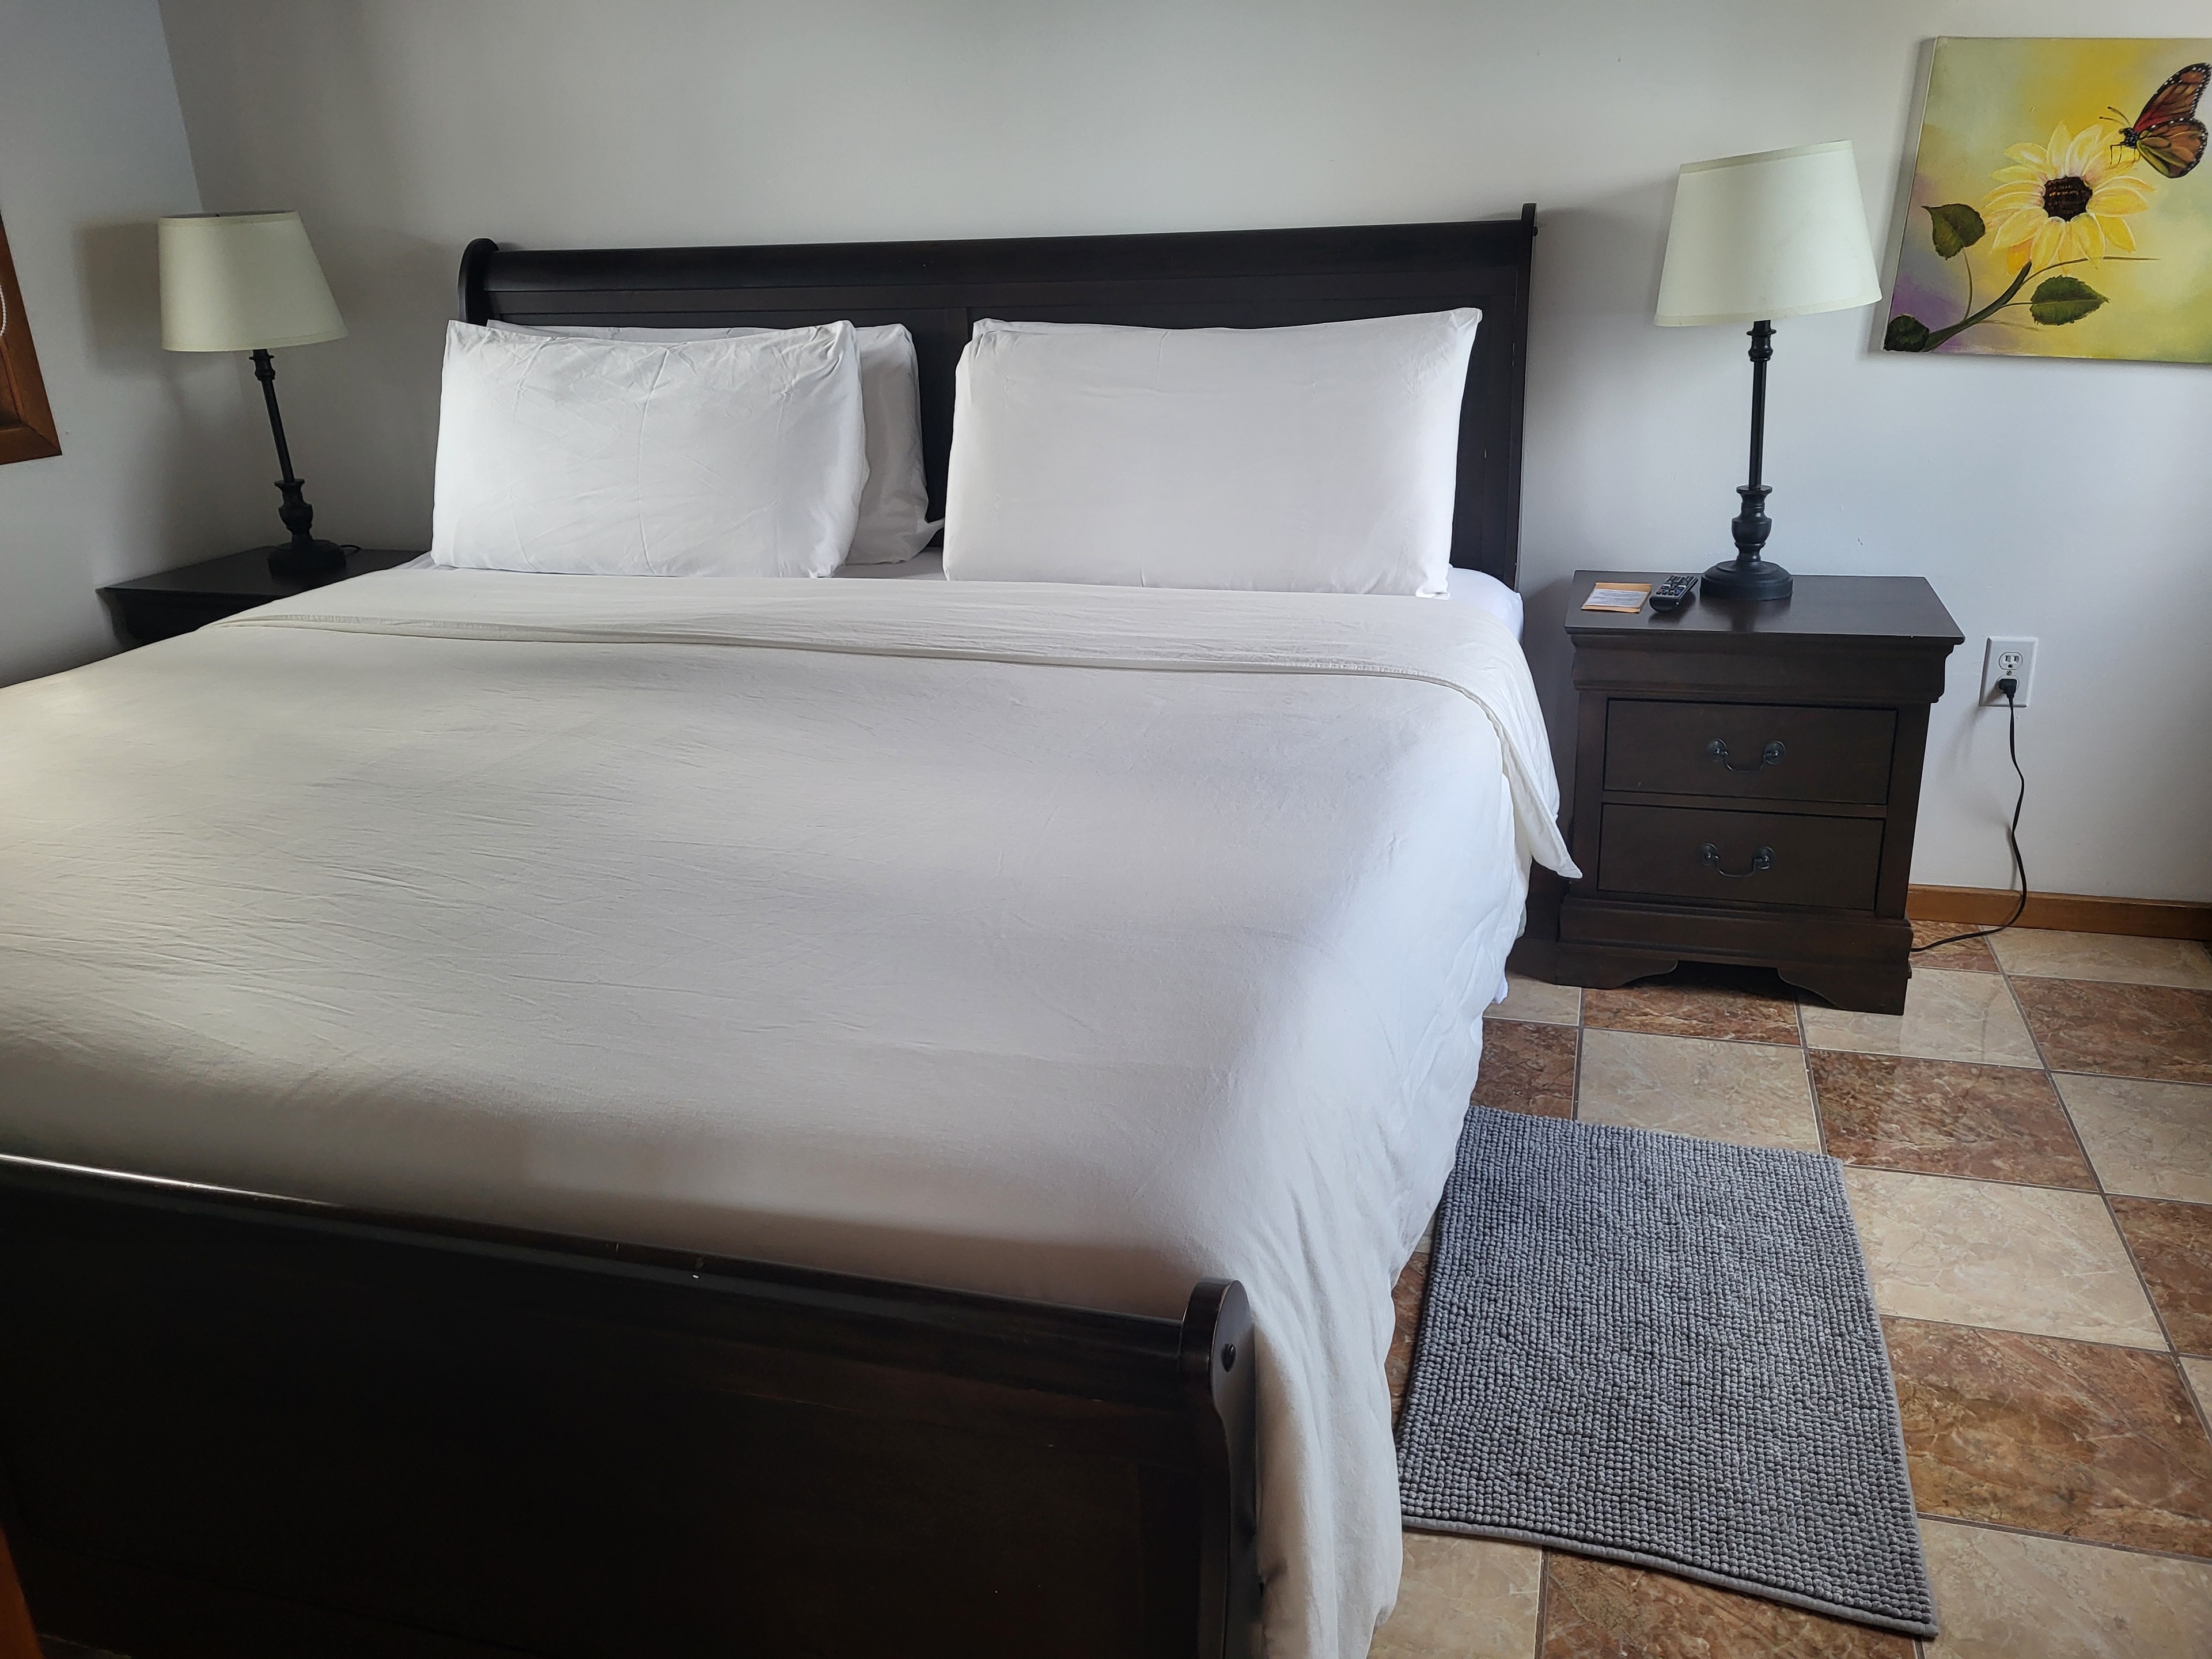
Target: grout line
column 1985, row 1180
column 2037, row 1336
column 1944, row 1060
column 2127, row 1245
column 2020, row 1010
column 2203, row 1408
column 2064, row 1538
column 1543, row 1599
column 2141, row 1278
column 1575, row 1093
column 1820, row 1121
column 2074, row 1130
column 2124, row 1076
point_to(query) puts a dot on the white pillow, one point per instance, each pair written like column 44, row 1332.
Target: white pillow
column 717, row 457
column 1318, row 458
column 894, row 522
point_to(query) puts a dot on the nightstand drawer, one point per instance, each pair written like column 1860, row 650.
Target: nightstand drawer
column 1749, row 750
column 1748, row 858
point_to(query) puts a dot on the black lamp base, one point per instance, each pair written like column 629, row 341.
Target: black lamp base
column 305, row 561
column 1747, row 579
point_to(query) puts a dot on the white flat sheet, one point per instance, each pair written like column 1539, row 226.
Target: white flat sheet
column 1058, row 942
column 1475, row 587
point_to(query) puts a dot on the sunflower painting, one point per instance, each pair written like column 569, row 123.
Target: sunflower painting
column 2058, row 209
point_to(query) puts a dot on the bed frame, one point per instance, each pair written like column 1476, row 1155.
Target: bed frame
column 236, row 1427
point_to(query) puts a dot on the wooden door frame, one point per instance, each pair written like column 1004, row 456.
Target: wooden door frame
column 27, row 432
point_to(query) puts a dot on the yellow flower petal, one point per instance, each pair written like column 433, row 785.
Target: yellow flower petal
column 2055, row 152
column 2014, row 228
column 2089, row 236
column 2121, row 196
column 2050, row 237
column 2118, row 234
column 2013, row 199
column 2018, row 175
column 2082, row 152
column 2031, row 155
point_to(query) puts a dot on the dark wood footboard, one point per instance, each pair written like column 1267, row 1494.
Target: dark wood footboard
column 239, row 1426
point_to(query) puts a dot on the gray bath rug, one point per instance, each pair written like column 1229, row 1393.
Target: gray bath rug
column 1663, row 1351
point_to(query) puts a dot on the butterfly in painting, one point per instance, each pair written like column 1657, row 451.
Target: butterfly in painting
column 2167, row 134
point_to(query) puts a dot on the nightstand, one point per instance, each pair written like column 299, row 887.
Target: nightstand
column 172, row 602
column 1746, row 780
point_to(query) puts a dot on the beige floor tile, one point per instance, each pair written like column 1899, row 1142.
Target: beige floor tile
column 1948, row 1015
column 1603, row 1610
column 1756, row 1094
column 1533, row 1001
column 1463, row 1598
column 2199, row 1373
column 2016, row 1258
column 2038, row 953
column 2147, row 1139
column 2009, row 1595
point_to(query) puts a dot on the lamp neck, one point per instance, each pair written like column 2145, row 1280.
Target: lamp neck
column 265, row 370
column 1762, row 349
column 1751, row 527
column 1749, row 576
column 299, row 518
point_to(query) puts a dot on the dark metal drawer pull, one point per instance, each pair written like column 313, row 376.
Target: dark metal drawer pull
column 1769, row 755
column 1762, row 860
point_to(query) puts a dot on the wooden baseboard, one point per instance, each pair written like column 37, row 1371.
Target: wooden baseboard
column 2077, row 913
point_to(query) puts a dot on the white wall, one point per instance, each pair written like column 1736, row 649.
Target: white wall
column 92, row 150
column 2065, row 500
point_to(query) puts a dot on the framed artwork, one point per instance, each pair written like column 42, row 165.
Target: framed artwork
column 27, row 425
column 2058, row 209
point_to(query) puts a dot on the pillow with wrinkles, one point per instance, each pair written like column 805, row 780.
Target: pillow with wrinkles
column 742, row 456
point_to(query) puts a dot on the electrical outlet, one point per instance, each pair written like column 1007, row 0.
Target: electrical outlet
column 2008, row 660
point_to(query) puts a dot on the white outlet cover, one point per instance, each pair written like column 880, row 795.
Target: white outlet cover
column 1994, row 659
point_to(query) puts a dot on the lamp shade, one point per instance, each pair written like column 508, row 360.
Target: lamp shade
column 1781, row 233
column 238, row 282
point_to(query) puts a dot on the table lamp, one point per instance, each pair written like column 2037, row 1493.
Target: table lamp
column 1781, row 233
column 248, row 282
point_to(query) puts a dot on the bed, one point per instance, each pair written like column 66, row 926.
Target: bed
column 423, row 1231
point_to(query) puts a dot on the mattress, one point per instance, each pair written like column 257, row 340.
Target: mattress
column 1056, row 942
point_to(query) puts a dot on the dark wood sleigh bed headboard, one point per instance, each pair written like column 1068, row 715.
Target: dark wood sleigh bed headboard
column 1231, row 279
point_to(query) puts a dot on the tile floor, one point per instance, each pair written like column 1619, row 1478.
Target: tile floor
column 2029, row 1153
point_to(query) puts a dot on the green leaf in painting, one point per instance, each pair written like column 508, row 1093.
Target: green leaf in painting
column 2063, row 300
column 1905, row 334
column 1955, row 228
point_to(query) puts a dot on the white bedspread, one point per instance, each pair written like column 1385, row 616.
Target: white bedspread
column 1059, row 942
column 1476, row 588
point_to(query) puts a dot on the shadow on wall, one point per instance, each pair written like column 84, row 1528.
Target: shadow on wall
column 194, row 468
column 1595, row 283
column 119, row 266
column 370, row 401
column 1889, row 233
column 360, row 413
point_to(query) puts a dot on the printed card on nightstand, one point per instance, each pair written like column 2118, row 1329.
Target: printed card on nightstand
column 1618, row 596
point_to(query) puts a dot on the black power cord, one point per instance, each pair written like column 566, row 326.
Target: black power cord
column 2010, row 687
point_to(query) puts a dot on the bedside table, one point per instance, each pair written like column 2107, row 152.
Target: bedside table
column 173, row 602
column 1746, row 780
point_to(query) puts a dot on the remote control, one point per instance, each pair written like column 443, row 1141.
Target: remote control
column 1673, row 593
